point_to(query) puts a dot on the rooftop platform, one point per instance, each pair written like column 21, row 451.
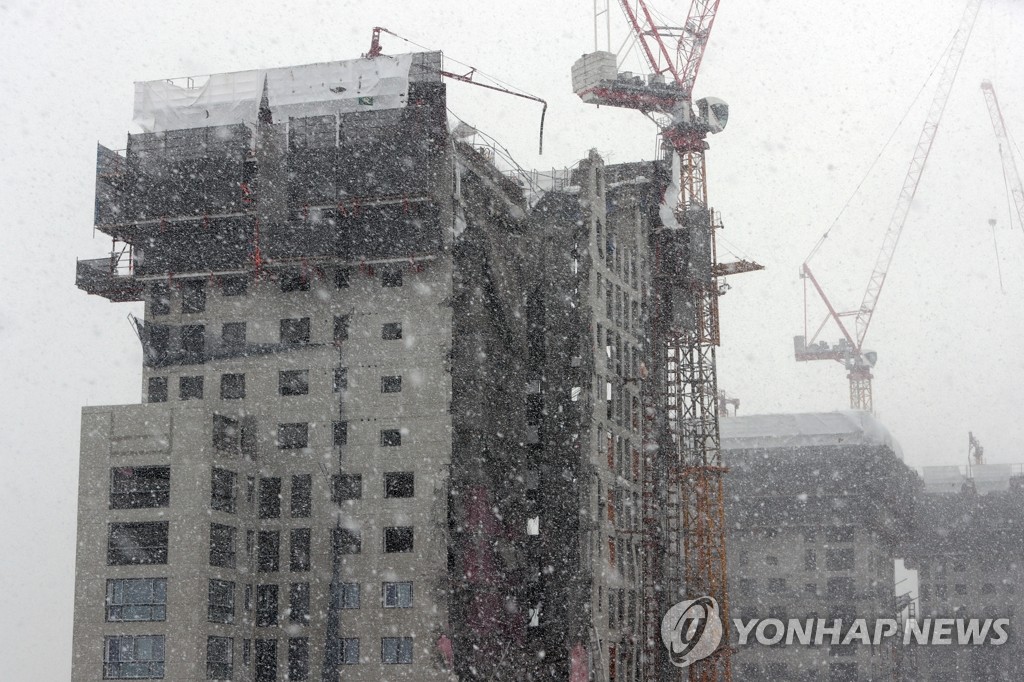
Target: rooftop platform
column 817, row 469
column 346, row 160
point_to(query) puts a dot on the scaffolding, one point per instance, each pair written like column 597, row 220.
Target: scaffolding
column 241, row 196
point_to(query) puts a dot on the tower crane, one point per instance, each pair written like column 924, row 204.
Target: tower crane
column 1005, row 149
column 683, row 515
column 850, row 349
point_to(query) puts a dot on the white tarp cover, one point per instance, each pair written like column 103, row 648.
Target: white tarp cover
column 669, row 203
column 991, row 477
column 805, row 429
column 950, row 479
column 943, row 479
column 293, row 91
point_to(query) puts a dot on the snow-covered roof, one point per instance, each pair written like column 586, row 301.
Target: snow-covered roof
column 943, row 479
column 805, row 429
column 986, row 478
column 293, row 91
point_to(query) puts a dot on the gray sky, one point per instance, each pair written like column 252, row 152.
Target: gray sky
column 815, row 88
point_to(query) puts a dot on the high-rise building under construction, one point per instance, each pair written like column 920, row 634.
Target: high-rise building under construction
column 390, row 423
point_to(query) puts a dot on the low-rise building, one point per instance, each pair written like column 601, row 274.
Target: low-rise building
column 817, row 506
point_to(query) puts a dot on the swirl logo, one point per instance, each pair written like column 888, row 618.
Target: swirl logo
column 691, row 630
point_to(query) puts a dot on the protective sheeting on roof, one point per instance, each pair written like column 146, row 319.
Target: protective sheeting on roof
column 292, row 92
column 943, row 479
column 805, row 430
column 985, row 478
column 991, row 477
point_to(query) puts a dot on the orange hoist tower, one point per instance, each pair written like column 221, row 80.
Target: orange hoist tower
column 850, row 349
column 683, row 511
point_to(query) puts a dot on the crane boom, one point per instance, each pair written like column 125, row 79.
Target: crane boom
column 694, row 39
column 649, row 34
column 690, row 40
column 1005, row 149
column 917, row 164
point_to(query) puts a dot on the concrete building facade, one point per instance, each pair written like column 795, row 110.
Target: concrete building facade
column 290, row 458
column 595, row 238
column 390, row 423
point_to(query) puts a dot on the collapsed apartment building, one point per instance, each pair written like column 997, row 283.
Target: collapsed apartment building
column 390, row 418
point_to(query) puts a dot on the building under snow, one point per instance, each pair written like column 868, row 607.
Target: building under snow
column 390, row 423
column 969, row 555
column 818, row 507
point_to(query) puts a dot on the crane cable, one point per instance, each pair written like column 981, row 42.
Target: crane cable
column 1009, row 212
column 821, row 240
column 1006, row 179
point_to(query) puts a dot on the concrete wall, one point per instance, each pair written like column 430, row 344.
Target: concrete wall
column 182, row 437
column 594, row 237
